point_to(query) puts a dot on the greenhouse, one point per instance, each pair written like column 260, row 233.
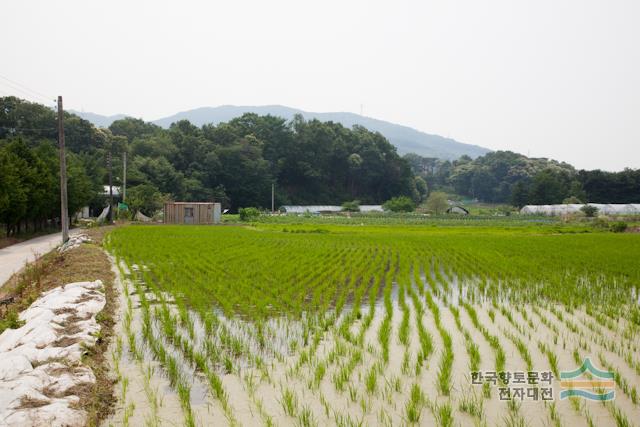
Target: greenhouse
column 317, row 209
column 565, row 209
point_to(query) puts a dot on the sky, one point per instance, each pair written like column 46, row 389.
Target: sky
column 546, row 78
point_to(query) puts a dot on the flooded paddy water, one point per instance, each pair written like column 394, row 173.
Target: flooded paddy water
column 411, row 346
column 287, row 379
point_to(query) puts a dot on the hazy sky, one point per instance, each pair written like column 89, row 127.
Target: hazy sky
column 550, row 78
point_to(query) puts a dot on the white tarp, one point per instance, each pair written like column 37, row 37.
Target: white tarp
column 103, row 215
column 141, row 217
column 42, row 360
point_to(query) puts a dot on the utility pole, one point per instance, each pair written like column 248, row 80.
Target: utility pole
column 64, row 210
column 110, row 186
column 273, row 191
column 124, row 176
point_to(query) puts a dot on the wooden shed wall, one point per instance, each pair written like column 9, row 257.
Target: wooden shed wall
column 174, row 213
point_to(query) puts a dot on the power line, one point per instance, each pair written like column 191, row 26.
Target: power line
column 14, row 90
column 24, row 87
column 26, row 129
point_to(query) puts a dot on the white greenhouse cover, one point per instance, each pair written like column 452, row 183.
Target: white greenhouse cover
column 311, row 208
column 371, row 208
column 326, row 208
column 606, row 209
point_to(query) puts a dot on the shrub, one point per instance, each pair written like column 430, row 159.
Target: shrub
column 618, row 227
column 353, row 206
column 589, row 211
column 248, row 214
column 399, row 204
column 10, row 321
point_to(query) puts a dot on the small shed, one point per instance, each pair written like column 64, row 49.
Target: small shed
column 191, row 213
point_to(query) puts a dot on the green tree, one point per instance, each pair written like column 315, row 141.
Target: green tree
column 589, row 210
column 519, row 195
column 145, row 198
column 421, row 187
column 133, row 128
column 548, row 187
column 13, row 194
column 437, row 202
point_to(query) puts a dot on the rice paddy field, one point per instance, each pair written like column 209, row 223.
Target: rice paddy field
column 321, row 324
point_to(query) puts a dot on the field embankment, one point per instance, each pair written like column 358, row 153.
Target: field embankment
column 66, row 346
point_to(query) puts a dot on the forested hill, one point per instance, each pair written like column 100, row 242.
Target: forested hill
column 237, row 161
column 406, row 139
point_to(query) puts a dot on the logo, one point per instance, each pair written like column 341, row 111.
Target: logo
column 600, row 387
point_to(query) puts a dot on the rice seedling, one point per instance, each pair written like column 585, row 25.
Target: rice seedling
column 472, row 404
column 289, row 402
column 306, row 418
column 443, row 414
column 619, row 417
column 346, row 421
column 325, row 309
column 371, row 380
column 554, row 416
column 413, row 407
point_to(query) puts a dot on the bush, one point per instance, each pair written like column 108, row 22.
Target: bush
column 589, row 211
column 399, row 204
column 10, row 321
column 618, row 227
column 353, row 206
column 248, row 214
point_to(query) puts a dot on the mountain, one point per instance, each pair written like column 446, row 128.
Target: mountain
column 97, row 119
column 406, row 139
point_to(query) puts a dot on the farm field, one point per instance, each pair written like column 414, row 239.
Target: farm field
column 329, row 324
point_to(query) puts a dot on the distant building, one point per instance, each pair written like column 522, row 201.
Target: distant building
column 99, row 206
column 191, row 213
column 114, row 189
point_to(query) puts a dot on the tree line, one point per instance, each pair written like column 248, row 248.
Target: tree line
column 507, row 177
column 236, row 163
